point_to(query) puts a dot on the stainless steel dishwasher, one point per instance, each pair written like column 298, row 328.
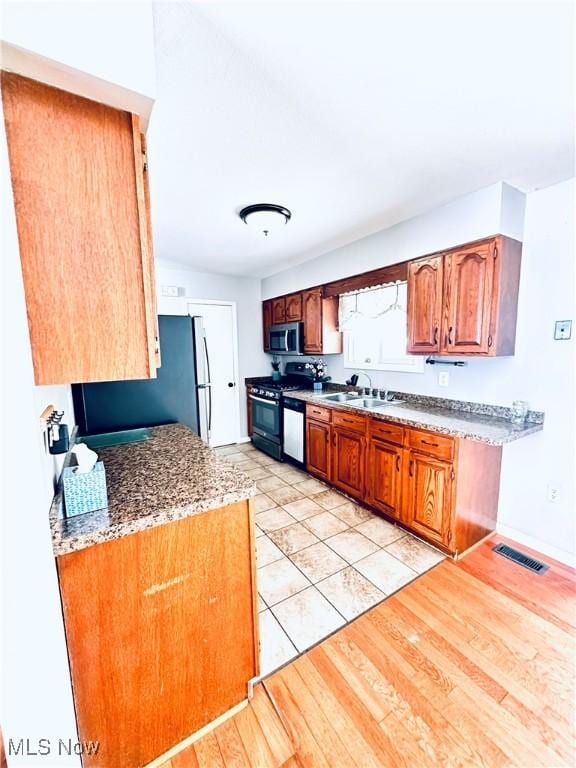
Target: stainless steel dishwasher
column 293, row 420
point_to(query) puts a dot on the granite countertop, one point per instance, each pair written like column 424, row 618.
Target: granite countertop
column 168, row 477
column 485, row 424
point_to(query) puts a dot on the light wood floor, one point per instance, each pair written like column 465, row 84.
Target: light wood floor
column 472, row 664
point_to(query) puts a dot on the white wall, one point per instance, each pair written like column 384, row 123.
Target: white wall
column 244, row 291
column 101, row 50
column 541, row 371
column 498, row 209
column 36, row 690
column 104, row 51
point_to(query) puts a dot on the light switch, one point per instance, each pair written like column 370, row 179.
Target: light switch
column 172, row 291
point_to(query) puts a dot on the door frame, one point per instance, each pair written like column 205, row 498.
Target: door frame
column 234, row 307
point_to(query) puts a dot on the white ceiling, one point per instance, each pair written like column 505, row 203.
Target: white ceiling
column 354, row 115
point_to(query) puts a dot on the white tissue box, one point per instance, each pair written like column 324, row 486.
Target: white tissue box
column 84, row 492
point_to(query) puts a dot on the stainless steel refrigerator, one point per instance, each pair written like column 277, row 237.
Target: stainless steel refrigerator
column 180, row 393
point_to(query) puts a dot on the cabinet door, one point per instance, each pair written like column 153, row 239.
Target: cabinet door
column 318, row 448
column 468, row 288
column 424, row 305
column 294, row 308
column 266, row 323
column 348, row 461
column 81, row 201
column 312, row 316
column 279, row 310
column 384, row 474
column 428, row 497
column 180, row 618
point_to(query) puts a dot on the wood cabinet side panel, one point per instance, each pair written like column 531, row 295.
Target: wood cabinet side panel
column 331, row 335
column 161, row 632
column 73, row 176
column 477, row 489
column 505, row 298
column 146, row 244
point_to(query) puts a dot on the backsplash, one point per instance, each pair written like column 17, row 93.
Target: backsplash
column 498, row 381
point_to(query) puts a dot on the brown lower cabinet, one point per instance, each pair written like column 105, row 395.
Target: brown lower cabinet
column 442, row 488
column 162, row 632
column 384, row 468
column 319, row 448
column 427, row 505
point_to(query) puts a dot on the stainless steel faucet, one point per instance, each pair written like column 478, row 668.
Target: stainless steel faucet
column 369, row 379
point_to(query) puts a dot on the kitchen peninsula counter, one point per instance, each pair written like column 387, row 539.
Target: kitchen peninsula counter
column 168, row 477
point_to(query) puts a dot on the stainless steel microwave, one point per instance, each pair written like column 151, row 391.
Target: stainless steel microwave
column 286, row 339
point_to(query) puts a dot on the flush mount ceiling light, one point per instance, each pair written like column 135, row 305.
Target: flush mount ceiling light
column 265, row 217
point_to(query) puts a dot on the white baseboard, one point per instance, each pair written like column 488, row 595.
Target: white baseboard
column 566, row 558
column 243, row 440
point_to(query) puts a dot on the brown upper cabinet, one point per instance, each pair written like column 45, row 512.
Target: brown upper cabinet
column 318, row 313
column 312, row 314
column 469, row 277
column 279, row 310
column 424, row 304
column 79, row 177
column 294, row 308
column 320, row 316
column 465, row 301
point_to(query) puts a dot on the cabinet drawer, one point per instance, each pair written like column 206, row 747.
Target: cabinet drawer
column 383, row 430
column 318, row 413
column 349, row 421
column 430, row 443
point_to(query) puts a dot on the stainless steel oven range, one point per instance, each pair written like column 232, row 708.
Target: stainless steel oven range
column 268, row 409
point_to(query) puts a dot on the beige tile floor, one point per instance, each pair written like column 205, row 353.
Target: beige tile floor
column 322, row 559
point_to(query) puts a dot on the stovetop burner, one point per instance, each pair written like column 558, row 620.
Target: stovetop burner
column 284, row 385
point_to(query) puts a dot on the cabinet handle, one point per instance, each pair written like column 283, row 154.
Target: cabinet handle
column 435, row 336
column 490, row 340
column 450, row 335
column 397, row 463
column 411, row 469
column 334, row 440
column 434, row 445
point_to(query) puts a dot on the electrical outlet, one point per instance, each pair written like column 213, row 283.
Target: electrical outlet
column 562, row 330
column 552, row 494
column 443, row 379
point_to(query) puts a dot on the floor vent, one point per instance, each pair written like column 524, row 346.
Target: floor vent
column 518, row 557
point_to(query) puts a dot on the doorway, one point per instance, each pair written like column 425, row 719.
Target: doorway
column 219, row 320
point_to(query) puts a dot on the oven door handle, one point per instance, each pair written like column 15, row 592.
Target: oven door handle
column 267, row 402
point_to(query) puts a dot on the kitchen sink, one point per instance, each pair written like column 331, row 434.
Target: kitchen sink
column 374, row 402
column 341, row 397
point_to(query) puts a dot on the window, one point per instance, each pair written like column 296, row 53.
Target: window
column 375, row 330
